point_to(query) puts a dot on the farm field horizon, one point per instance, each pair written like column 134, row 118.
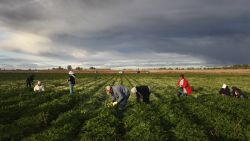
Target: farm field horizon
column 86, row 116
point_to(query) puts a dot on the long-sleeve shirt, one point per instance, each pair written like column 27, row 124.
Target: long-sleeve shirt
column 225, row 91
column 143, row 90
column 120, row 93
column 38, row 88
column 30, row 79
column 72, row 79
column 185, row 85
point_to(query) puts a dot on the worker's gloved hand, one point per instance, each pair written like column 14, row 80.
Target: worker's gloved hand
column 114, row 103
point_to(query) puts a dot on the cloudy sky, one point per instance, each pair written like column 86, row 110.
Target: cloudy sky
column 124, row 33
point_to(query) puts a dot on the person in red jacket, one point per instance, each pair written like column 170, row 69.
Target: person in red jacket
column 184, row 86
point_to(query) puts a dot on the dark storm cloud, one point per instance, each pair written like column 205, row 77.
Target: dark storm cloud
column 215, row 31
column 21, row 15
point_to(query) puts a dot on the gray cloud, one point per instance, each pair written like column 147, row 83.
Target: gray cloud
column 214, row 32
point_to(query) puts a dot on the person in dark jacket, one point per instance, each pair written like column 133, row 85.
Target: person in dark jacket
column 29, row 80
column 119, row 94
column 71, row 81
column 141, row 92
column 236, row 92
column 225, row 91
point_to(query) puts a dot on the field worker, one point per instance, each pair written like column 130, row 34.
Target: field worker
column 119, row 94
column 236, row 92
column 39, row 87
column 141, row 92
column 71, row 81
column 224, row 90
column 29, row 80
column 184, row 88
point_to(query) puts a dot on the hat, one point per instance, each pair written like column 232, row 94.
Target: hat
column 39, row 82
column 224, row 86
column 71, row 72
column 108, row 88
column 133, row 90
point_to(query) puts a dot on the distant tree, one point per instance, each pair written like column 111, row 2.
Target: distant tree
column 78, row 68
column 69, row 67
column 60, row 68
column 240, row 66
column 92, row 68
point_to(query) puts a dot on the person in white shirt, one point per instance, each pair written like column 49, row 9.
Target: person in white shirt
column 39, row 87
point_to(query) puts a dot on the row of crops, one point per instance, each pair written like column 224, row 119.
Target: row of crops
column 56, row 115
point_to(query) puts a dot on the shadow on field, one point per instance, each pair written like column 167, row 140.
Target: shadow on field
column 179, row 104
column 166, row 124
column 120, row 127
column 188, row 113
column 232, row 113
column 156, row 123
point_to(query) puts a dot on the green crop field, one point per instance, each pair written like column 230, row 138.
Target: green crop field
column 56, row 115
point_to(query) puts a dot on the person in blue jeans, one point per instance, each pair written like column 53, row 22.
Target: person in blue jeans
column 119, row 94
column 71, row 81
